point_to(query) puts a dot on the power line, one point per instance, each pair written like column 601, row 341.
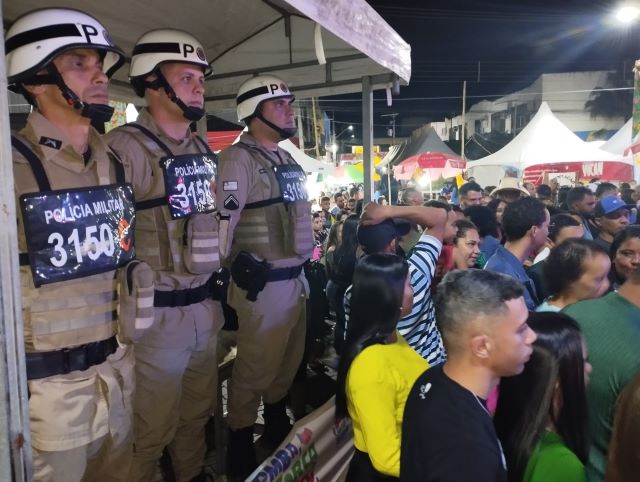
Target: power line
column 484, row 96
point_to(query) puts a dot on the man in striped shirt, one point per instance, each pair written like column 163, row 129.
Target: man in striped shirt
column 419, row 327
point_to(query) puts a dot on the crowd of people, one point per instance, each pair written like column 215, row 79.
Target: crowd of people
column 525, row 307
column 488, row 335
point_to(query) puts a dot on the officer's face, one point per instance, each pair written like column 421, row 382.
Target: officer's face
column 279, row 112
column 81, row 70
column 187, row 81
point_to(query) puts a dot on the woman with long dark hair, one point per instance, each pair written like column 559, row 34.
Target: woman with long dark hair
column 377, row 368
column 341, row 274
column 541, row 418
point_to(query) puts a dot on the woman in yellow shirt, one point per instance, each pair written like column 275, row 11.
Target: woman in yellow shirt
column 378, row 367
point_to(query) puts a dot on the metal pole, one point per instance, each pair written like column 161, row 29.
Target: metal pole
column 15, row 438
column 464, row 102
column 636, row 116
column 367, row 137
column 315, row 127
column 300, row 131
column 393, row 143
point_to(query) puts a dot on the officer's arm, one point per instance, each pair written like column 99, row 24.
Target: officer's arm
column 235, row 180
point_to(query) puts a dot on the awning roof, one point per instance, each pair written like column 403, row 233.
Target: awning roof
column 246, row 37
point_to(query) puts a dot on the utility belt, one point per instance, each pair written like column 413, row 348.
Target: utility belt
column 60, row 362
column 186, row 297
column 253, row 275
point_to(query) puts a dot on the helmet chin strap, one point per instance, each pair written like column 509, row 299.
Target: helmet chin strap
column 193, row 114
column 95, row 112
column 285, row 133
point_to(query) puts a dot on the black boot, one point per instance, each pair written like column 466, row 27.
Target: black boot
column 203, row 477
column 241, row 454
column 277, row 424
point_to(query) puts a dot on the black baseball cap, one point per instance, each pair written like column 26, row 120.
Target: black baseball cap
column 374, row 237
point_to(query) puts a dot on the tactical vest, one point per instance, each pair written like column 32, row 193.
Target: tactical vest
column 66, row 313
column 188, row 246
column 269, row 228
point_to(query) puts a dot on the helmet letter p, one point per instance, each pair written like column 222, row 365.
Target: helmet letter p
column 89, row 31
column 187, row 49
column 273, row 87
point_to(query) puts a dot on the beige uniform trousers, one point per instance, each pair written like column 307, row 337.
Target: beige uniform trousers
column 270, row 342
column 175, row 397
column 106, row 458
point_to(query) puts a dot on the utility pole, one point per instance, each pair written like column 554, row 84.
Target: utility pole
column 393, row 135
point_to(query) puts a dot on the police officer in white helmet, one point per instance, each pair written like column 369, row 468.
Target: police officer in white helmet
column 74, row 220
column 172, row 171
column 265, row 237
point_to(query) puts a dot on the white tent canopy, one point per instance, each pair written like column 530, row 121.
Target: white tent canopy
column 243, row 38
column 308, row 163
column 545, row 140
column 620, row 141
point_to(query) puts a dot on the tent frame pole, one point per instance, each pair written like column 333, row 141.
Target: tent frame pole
column 367, row 137
column 15, row 437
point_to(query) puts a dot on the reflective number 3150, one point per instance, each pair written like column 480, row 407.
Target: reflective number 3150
column 96, row 242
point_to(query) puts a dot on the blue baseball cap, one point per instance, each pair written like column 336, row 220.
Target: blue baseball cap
column 610, row 204
column 375, row 237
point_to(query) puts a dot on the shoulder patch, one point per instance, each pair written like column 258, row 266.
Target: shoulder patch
column 231, row 203
column 49, row 142
column 262, row 170
column 230, row 186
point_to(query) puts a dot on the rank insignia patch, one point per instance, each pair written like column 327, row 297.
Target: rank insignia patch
column 231, row 203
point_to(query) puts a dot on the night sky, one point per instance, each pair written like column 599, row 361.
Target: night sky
column 513, row 42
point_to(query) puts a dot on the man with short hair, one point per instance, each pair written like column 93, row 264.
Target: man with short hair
column 264, row 210
column 470, row 195
column 79, row 361
column 611, row 328
column 338, row 198
column 605, row 189
column 447, row 431
column 412, row 197
column 611, row 215
column 582, row 201
column 351, row 206
column 329, row 219
column 356, row 192
column 525, row 224
column 545, row 195
column 176, row 358
column 419, row 327
column 562, row 226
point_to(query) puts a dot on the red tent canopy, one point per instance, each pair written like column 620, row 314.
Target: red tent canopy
column 436, row 164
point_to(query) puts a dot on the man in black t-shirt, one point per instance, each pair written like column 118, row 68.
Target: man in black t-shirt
column 447, row 432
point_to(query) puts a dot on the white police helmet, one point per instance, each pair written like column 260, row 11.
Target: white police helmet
column 164, row 45
column 258, row 89
column 37, row 37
